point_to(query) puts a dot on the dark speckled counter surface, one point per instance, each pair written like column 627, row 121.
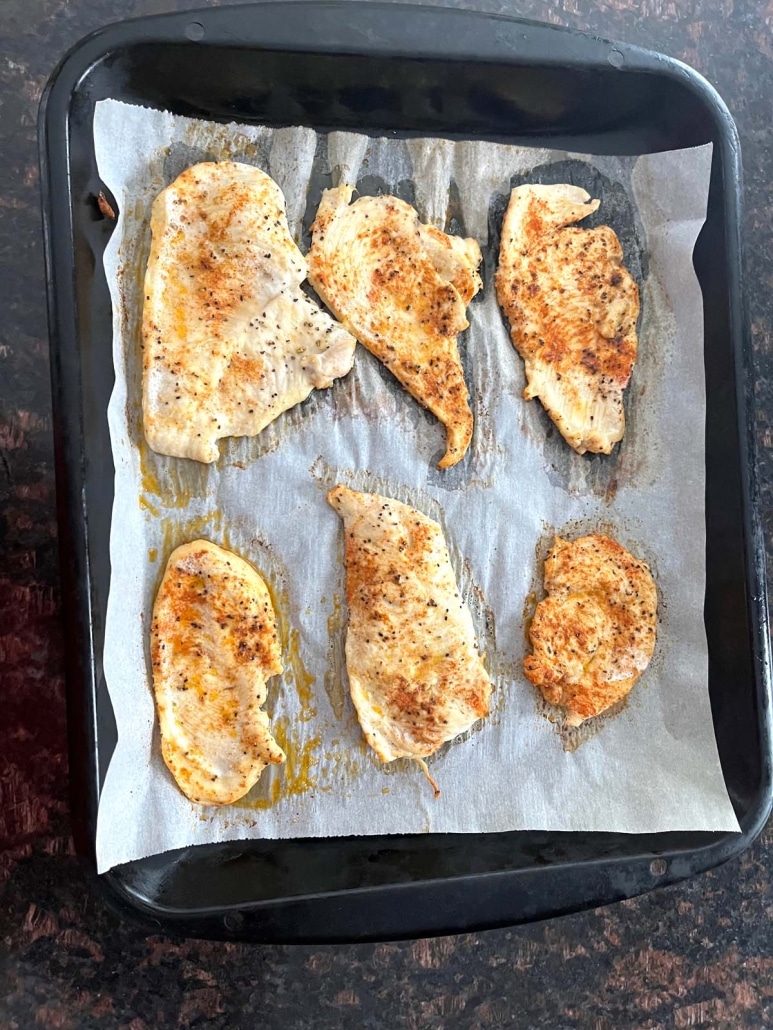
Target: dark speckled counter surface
column 696, row 955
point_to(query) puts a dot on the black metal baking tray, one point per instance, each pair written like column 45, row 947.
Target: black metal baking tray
column 385, row 68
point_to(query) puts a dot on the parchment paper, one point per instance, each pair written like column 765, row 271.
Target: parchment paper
column 653, row 765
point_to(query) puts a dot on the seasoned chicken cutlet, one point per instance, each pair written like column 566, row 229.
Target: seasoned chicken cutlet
column 594, row 634
column 214, row 643
column 572, row 308
column 402, row 289
column 229, row 339
column 415, row 675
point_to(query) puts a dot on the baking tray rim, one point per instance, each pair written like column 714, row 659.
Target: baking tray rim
column 72, row 512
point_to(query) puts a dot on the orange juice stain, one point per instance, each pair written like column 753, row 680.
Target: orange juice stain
column 209, row 526
column 175, row 533
column 294, row 777
column 298, row 778
column 343, row 763
column 147, row 506
column 295, row 670
column 174, row 482
column 148, row 474
column 303, row 679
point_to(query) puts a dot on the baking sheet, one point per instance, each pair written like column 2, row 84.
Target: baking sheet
column 652, row 765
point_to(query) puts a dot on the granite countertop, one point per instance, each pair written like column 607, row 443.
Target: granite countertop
column 699, row 954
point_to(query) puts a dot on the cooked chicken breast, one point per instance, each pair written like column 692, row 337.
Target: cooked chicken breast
column 402, row 289
column 213, row 645
column 415, row 676
column 572, row 308
column 230, row 340
column 594, row 634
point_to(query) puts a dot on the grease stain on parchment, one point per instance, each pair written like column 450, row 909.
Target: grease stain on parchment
column 299, row 774
column 296, row 776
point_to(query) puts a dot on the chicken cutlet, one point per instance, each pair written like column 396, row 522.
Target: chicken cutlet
column 415, row 676
column 402, row 289
column 572, row 308
column 214, row 644
column 594, row 634
column 229, row 338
